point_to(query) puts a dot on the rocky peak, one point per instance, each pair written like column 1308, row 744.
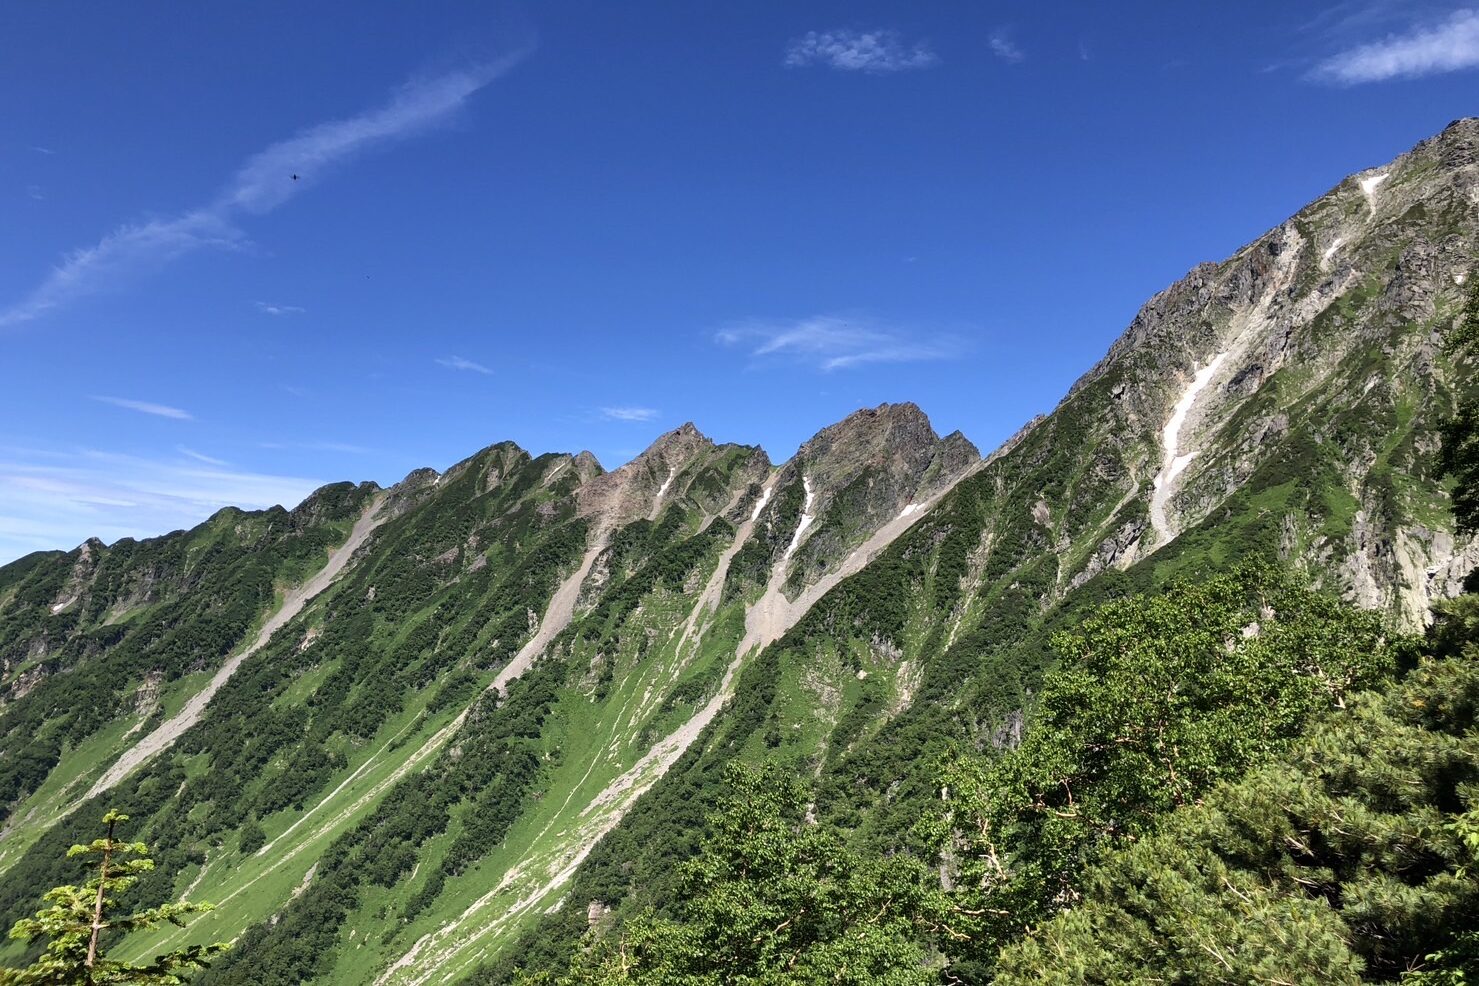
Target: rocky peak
column 587, row 466
column 491, row 464
column 1456, row 145
column 872, row 467
column 896, row 440
column 1330, row 303
column 676, row 446
column 870, row 426
column 633, row 490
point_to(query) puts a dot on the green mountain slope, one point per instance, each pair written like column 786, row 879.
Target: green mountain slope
column 448, row 724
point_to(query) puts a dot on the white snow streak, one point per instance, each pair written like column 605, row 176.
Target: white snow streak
column 806, row 520
column 1173, row 461
column 1368, row 185
column 1335, row 245
column 760, row 504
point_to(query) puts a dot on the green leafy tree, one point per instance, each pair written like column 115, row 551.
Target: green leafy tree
column 1157, row 699
column 774, row 899
column 1350, row 860
column 81, row 920
column 252, row 837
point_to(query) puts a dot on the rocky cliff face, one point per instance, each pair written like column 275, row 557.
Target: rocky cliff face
column 849, row 481
column 462, row 709
column 1310, row 367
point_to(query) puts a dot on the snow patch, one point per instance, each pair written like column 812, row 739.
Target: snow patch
column 806, row 519
column 1174, row 461
column 666, row 483
column 1368, row 187
column 764, row 499
column 1330, row 250
column 909, row 508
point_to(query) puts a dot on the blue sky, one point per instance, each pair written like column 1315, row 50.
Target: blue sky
column 576, row 225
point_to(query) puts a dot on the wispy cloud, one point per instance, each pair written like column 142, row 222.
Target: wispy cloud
column 200, row 456
column 1448, row 45
column 146, row 407
column 266, row 181
column 629, row 413
column 41, row 150
column 57, row 500
column 278, row 310
column 831, row 342
column 859, row 51
column 342, row 447
column 1003, row 47
column 126, row 252
column 458, row 363
column 35, row 192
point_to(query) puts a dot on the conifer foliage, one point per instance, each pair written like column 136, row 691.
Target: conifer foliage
column 81, row 921
column 775, row 899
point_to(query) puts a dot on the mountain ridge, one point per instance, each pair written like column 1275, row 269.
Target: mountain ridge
column 505, row 711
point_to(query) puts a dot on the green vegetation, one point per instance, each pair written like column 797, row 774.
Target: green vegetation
column 1156, row 699
column 1185, row 734
column 1012, row 744
column 82, row 921
column 773, row 899
column 1348, row 861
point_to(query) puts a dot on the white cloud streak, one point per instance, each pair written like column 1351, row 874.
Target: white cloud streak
column 146, row 407
column 1446, row 46
column 262, row 184
column 458, row 363
column 278, row 310
column 200, row 456
column 1003, row 47
column 830, row 342
column 340, row 447
column 629, row 413
column 57, row 500
column 875, row 52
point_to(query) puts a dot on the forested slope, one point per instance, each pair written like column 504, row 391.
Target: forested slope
column 503, row 720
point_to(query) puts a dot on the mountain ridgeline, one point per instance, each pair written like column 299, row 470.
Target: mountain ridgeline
column 437, row 731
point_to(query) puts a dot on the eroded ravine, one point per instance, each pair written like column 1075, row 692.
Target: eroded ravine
column 1173, row 460
column 165, row 734
column 442, row 954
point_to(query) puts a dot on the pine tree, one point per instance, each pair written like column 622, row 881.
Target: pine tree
column 80, row 921
column 1157, row 700
column 774, row 899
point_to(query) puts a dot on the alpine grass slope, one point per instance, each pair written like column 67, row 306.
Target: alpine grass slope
column 425, row 733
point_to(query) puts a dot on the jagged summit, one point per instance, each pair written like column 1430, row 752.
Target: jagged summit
column 1457, row 141
column 498, row 669
column 1259, row 365
column 850, row 480
column 1301, row 266
column 587, row 466
column 672, row 447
